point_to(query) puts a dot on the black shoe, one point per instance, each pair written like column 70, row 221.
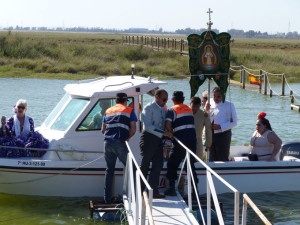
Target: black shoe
column 170, row 192
column 158, row 196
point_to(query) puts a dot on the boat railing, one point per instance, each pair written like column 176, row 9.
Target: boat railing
column 211, row 191
column 50, row 150
column 113, row 85
column 92, row 79
column 57, row 151
column 246, row 201
column 137, row 204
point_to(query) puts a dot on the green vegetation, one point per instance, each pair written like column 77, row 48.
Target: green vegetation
column 59, row 55
column 273, row 56
column 81, row 55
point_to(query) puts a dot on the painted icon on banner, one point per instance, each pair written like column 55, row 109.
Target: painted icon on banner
column 209, row 57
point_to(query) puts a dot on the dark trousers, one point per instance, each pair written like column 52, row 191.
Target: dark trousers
column 220, row 146
column 176, row 158
column 151, row 151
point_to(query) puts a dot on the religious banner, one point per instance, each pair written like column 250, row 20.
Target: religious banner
column 209, row 58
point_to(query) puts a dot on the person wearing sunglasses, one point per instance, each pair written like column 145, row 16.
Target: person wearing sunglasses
column 19, row 125
column 151, row 144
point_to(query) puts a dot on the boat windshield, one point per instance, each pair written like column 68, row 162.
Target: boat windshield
column 57, row 108
column 69, row 114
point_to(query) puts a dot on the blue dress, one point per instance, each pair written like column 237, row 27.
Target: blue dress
column 21, row 137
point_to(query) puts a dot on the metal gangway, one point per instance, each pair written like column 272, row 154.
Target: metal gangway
column 142, row 209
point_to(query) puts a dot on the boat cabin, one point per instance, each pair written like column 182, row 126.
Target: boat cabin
column 75, row 123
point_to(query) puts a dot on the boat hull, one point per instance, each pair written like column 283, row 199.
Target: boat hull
column 70, row 179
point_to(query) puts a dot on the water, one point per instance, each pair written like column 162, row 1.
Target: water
column 43, row 95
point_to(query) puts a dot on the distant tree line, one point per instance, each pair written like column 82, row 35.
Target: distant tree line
column 233, row 32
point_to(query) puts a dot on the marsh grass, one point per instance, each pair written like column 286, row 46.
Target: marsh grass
column 60, row 55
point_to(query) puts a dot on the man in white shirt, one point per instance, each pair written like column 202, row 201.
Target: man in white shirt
column 223, row 118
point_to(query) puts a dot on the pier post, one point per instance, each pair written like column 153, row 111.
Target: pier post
column 241, row 74
column 157, row 43
column 132, row 40
column 291, row 93
column 283, row 84
column 137, row 40
column 271, row 93
column 260, row 77
column 181, row 46
column 266, row 83
column 129, row 40
column 175, row 44
column 244, row 78
column 292, row 99
column 168, row 43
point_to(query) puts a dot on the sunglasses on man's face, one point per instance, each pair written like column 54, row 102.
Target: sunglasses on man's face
column 164, row 100
column 21, row 107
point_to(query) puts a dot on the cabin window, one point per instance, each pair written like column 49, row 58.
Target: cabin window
column 93, row 121
column 69, row 114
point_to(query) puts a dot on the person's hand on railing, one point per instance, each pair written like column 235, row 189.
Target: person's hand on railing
column 168, row 134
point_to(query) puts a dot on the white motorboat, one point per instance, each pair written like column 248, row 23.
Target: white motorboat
column 74, row 164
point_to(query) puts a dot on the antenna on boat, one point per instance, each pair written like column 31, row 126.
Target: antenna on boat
column 132, row 71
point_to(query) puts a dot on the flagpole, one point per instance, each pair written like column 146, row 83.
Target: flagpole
column 208, row 99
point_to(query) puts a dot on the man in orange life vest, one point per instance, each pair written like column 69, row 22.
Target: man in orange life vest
column 118, row 126
column 180, row 121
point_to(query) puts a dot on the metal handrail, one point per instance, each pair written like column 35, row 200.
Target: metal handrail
column 96, row 78
column 210, row 189
column 135, row 205
column 246, row 200
column 112, row 85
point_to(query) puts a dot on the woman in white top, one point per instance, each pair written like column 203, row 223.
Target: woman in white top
column 266, row 144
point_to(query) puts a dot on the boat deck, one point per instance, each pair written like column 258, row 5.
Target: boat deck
column 171, row 210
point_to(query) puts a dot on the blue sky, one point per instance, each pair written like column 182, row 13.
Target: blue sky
column 260, row 15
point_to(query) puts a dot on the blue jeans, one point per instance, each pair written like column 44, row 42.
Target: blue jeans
column 113, row 150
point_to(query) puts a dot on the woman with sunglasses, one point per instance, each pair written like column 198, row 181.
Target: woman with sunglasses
column 19, row 125
column 19, row 131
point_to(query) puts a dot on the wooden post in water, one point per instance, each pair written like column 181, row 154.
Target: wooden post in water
column 266, row 83
column 271, row 93
column 241, row 74
column 292, row 99
column 244, row 78
column 181, row 46
column 260, row 77
column 291, row 93
column 283, row 84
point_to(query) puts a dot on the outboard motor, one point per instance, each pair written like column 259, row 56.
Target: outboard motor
column 290, row 149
